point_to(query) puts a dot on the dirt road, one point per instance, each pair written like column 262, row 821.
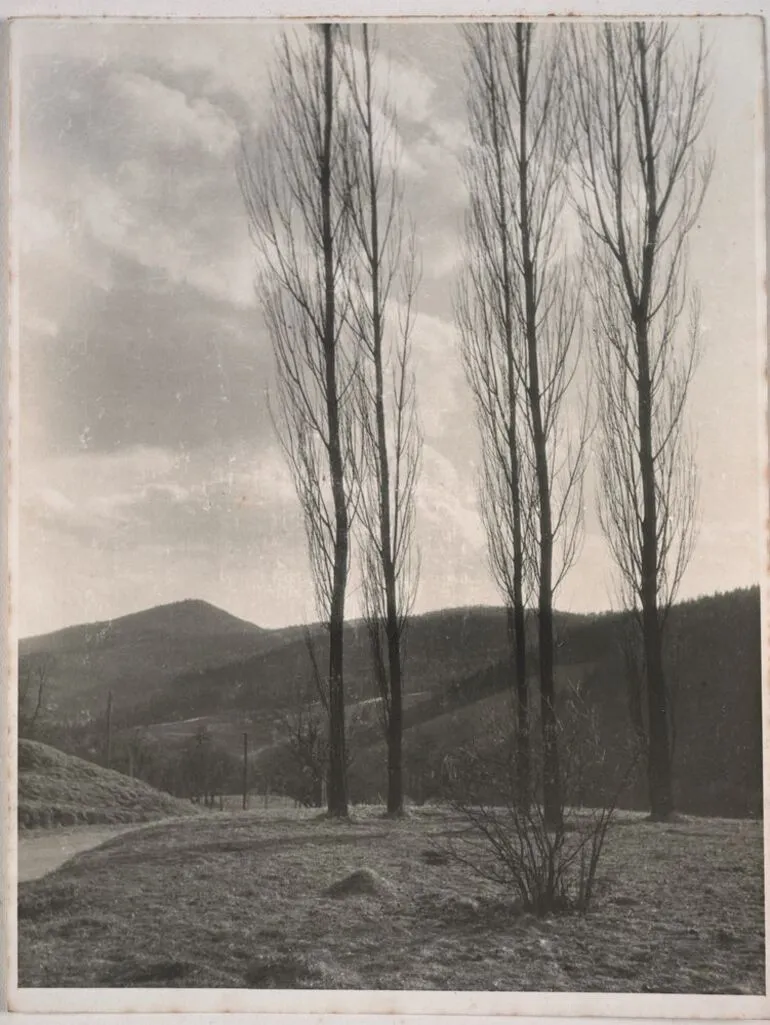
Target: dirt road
column 43, row 850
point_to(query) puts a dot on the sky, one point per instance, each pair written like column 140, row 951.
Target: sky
column 149, row 471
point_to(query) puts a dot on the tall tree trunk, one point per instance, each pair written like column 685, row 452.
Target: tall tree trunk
column 659, row 752
column 517, row 638
column 395, row 715
column 517, row 642
column 523, row 763
column 551, row 776
column 395, row 754
column 337, row 796
column 108, row 740
column 387, row 541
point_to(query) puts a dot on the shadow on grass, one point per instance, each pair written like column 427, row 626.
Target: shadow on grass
column 37, row 901
column 82, row 864
column 298, row 971
column 150, row 973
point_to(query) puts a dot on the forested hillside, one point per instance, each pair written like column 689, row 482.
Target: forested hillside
column 457, row 680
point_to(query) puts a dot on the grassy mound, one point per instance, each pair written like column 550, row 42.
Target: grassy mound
column 362, row 882
column 56, row 789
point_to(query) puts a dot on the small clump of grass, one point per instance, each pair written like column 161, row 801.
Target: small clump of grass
column 297, row 971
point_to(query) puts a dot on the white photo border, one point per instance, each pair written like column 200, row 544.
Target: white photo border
column 347, row 1006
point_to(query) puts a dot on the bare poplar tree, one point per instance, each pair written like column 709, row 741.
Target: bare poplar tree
column 519, row 70
column 383, row 276
column 548, row 314
column 491, row 353
column 294, row 189
column 639, row 108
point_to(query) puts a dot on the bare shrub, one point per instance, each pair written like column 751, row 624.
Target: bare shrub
column 549, row 866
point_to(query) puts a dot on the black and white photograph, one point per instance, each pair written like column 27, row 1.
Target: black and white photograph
column 389, row 466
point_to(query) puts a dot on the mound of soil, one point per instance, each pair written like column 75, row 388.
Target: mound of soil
column 362, row 882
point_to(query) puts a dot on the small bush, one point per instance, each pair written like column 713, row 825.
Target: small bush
column 550, row 867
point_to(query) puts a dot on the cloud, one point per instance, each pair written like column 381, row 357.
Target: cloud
column 172, row 369
column 411, row 92
column 446, row 503
column 162, row 244
column 36, row 226
column 117, row 530
column 41, row 326
column 104, row 214
column 219, row 60
column 150, row 495
column 144, row 169
column 450, row 537
column 172, row 120
column 445, row 406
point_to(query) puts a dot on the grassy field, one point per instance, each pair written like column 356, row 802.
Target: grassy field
column 56, row 789
column 250, row 901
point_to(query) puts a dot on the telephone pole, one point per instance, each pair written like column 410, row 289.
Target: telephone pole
column 108, row 755
column 245, row 769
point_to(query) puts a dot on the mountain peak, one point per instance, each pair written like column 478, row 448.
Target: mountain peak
column 188, row 617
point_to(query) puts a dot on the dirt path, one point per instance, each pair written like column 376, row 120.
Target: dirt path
column 41, row 851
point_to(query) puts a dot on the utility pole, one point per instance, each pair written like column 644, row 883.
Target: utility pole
column 108, row 756
column 245, row 768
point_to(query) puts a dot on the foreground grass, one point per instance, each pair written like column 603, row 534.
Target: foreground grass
column 241, row 901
